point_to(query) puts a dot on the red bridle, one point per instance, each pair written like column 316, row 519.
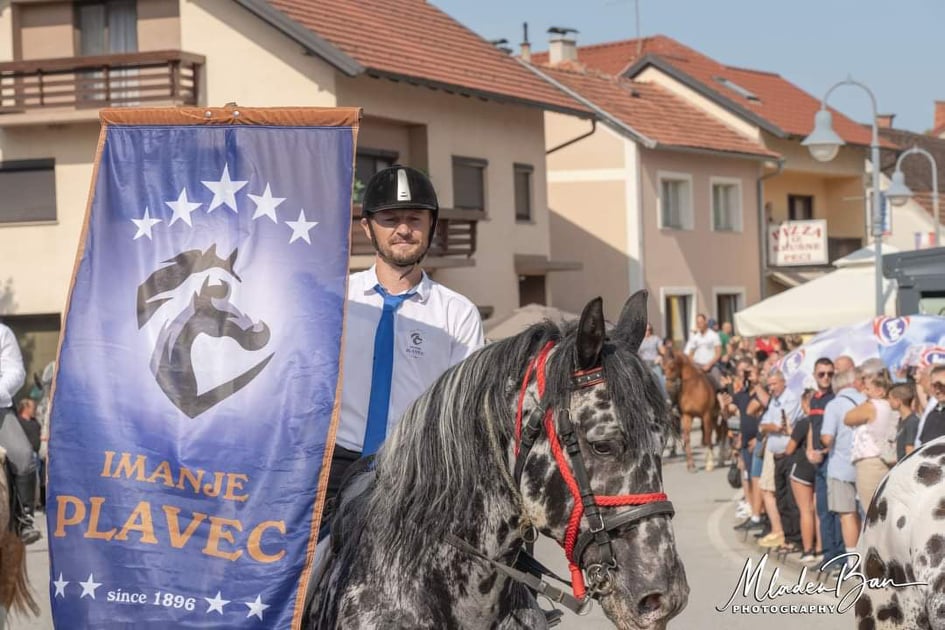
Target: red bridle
column 586, row 499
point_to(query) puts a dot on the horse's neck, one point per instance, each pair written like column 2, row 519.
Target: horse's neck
column 453, row 584
column 687, row 369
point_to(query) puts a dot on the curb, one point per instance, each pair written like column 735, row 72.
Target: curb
column 784, row 559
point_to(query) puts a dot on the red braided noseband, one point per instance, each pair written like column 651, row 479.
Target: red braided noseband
column 574, row 522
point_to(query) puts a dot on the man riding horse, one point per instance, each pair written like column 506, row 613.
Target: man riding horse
column 705, row 349
column 20, row 458
column 403, row 330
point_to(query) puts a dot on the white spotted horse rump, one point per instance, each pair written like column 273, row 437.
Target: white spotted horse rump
column 903, row 541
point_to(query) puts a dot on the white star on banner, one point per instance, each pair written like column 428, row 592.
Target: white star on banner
column 256, row 608
column 301, row 228
column 144, row 224
column 88, row 587
column 266, row 204
column 224, row 191
column 217, row 603
column 182, row 208
column 61, row 585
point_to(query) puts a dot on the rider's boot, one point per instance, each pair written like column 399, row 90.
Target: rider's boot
column 26, row 493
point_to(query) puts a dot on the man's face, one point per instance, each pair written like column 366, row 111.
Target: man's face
column 400, row 236
column 701, row 323
column 727, row 328
column 843, row 364
column 775, row 385
column 937, row 385
column 823, row 374
column 29, row 409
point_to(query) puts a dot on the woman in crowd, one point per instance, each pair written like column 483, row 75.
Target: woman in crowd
column 874, row 423
column 802, row 483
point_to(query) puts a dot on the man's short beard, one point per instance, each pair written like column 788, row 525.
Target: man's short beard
column 397, row 260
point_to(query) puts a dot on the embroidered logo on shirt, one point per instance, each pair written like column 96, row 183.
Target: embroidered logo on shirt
column 415, row 347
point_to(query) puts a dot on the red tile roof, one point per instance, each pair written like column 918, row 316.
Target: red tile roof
column 413, row 39
column 778, row 101
column 655, row 113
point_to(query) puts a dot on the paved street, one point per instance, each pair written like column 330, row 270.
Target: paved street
column 714, row 557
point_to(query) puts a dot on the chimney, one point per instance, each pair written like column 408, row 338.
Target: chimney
column 562, row 46
column 526, row 47
column 884, row 121
column 939, row 114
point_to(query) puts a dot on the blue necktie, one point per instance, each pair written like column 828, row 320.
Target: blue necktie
column 379, row 405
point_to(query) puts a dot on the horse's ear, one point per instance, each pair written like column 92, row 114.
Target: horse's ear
column 590, row 334
column 631, row 327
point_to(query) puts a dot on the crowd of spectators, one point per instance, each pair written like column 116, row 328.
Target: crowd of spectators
column 810, row 464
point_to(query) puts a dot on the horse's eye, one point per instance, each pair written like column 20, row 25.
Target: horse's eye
column 603, row 448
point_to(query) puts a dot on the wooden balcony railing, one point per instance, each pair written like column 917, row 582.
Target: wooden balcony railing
column 168, row 76
column 455, row 233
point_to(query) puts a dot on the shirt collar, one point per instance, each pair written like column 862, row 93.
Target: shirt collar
column 422, row 289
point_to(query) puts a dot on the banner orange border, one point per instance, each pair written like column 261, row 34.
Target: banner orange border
column 234, row 115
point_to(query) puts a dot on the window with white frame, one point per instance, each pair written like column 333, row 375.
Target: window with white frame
column 726, row 206
column 675, row 202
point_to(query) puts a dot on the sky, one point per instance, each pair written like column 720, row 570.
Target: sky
column 895, row 47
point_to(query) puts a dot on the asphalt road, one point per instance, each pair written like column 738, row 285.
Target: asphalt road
column 714, row 557
column 712, row 553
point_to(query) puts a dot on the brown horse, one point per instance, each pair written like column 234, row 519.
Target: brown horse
column 692, row 392
column 14, row 585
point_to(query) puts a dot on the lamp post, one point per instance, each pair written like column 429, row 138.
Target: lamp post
column 824, row 143
column 898, row 193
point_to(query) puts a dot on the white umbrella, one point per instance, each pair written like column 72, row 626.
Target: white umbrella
column 839, row 298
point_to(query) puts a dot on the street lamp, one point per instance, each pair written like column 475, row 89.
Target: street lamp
column 824, row 143
column 898, row 193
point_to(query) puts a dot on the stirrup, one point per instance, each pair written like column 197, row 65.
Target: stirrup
column 553, row 617
column 27, row 531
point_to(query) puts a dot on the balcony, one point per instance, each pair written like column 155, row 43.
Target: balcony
column 73, row 89
column 453, row 244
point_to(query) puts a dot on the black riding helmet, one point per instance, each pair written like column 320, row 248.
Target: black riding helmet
column 400, row 188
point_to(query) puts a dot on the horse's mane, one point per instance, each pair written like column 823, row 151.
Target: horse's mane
column 441, row 456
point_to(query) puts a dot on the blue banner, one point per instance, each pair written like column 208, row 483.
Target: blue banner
column 901, row 342
column 197, row 375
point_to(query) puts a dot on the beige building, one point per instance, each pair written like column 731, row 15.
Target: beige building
column 730, row 129
column 480, row 135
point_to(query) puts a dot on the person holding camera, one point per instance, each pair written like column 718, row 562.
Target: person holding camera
column 738, row 401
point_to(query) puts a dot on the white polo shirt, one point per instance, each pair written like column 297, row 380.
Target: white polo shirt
column 703, row 345
column 433, row 330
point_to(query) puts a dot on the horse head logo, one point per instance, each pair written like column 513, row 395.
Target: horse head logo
column 889, row 330
column 933, row 356
column 191, row 302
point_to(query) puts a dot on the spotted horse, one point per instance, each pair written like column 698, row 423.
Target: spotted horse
column 556, row 431
column 903, row 540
